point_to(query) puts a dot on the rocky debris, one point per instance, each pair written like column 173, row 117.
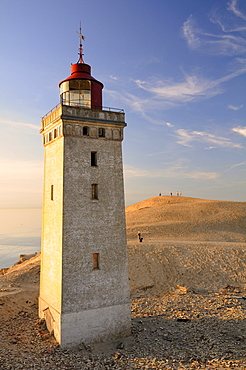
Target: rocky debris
column 25, row 257
column 3, row 271
column 176, row 330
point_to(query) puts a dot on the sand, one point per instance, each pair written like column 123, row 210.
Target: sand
column 192, row 255
column 186, row 241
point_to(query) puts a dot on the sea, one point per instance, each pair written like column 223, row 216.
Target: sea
column 20, row 233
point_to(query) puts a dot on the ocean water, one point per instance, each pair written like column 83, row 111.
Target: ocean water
column 20, row 233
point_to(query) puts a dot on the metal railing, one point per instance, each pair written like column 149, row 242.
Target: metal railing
column 108, row 109
column 52, row 110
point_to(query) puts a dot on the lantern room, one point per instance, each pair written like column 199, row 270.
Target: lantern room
column 81, row 89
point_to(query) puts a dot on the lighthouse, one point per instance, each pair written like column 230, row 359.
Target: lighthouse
column 84, row 287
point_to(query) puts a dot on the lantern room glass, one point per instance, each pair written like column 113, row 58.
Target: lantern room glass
column 76, row 93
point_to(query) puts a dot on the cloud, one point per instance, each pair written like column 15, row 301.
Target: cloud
column 224, row 43
column 186, row 138
column 166, row 94
column 191, row 88
column 233, row 107
column 140, row 104
column 190, row 33
column 113, row 77
column 16, row 123
column 171, row 172
column 240, row 130
column 236, row 165
column 157, row 121
column 233, row 7
column 155, row 95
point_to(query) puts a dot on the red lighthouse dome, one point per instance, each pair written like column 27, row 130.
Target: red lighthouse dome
column 80, row 88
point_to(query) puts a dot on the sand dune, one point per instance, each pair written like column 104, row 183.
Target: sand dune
column 183, row 218
column 188, row 242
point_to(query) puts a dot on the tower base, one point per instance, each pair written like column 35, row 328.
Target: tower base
column 88, row 326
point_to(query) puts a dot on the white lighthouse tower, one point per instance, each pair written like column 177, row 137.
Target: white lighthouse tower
column 84, row 289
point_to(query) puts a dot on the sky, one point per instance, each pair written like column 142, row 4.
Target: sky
column 177, row 68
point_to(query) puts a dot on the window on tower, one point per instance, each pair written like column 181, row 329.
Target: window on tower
column 101, row 132
column 52, row 192
column 95, row 261
column 85, row 131
column 94, row 191
column 94, row 159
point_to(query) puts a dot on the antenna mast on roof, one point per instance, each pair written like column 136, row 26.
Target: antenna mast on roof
column 81, row 37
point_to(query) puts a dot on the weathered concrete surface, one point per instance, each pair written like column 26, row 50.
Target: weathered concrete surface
column 84, row 303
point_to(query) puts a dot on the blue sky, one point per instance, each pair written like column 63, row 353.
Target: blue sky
column 178, row 68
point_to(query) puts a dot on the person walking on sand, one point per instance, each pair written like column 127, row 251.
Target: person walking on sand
column 140, row 239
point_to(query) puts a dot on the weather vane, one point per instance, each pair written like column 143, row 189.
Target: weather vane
column 81, row 37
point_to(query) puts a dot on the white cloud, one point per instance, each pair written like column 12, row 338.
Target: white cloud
column 236, row 108
column 16, row 123
column 113, row 77
column 142, row 105
column 233, row 7
column 186, row 138
column 226, row 45
column 218, row 43
column 171, row 172
column 236, row 165
column 191, row 88
column 139, row 104
column 240, row 130
column 156, row 121
column 166, row 94
column 190, row 33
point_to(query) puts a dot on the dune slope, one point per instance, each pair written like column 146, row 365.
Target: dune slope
column 183, row 218
column 188, row 242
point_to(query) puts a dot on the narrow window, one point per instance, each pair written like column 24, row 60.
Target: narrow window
column 94, row 159
column 50, row 136
column 101, row 132
column 52, row 192
column 55, row 133
column 94, row 191
column 85, row 131
column 95, row 261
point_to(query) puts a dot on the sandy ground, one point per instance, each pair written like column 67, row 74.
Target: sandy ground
column 188, row 292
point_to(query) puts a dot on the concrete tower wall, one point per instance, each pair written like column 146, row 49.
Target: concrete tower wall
column 52, row 231
column 84, row 293
column 93, row 226
column 95, row 301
